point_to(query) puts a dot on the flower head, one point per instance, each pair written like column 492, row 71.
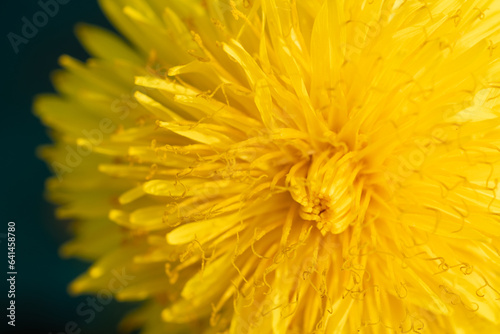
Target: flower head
column 286, row 166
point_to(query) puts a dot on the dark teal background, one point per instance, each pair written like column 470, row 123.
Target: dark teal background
column 42, row 302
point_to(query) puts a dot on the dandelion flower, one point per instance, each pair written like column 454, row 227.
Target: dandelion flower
column 285, row 166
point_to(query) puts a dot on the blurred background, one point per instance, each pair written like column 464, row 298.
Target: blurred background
column 42, row 302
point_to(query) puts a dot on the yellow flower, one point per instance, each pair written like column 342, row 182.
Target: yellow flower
column 285, row 166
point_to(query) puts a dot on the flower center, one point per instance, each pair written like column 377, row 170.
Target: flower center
column 330, row 191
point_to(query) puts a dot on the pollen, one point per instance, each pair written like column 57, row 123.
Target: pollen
column 331, row 191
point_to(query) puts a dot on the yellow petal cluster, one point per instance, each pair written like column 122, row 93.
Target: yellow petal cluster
column 286, row 166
